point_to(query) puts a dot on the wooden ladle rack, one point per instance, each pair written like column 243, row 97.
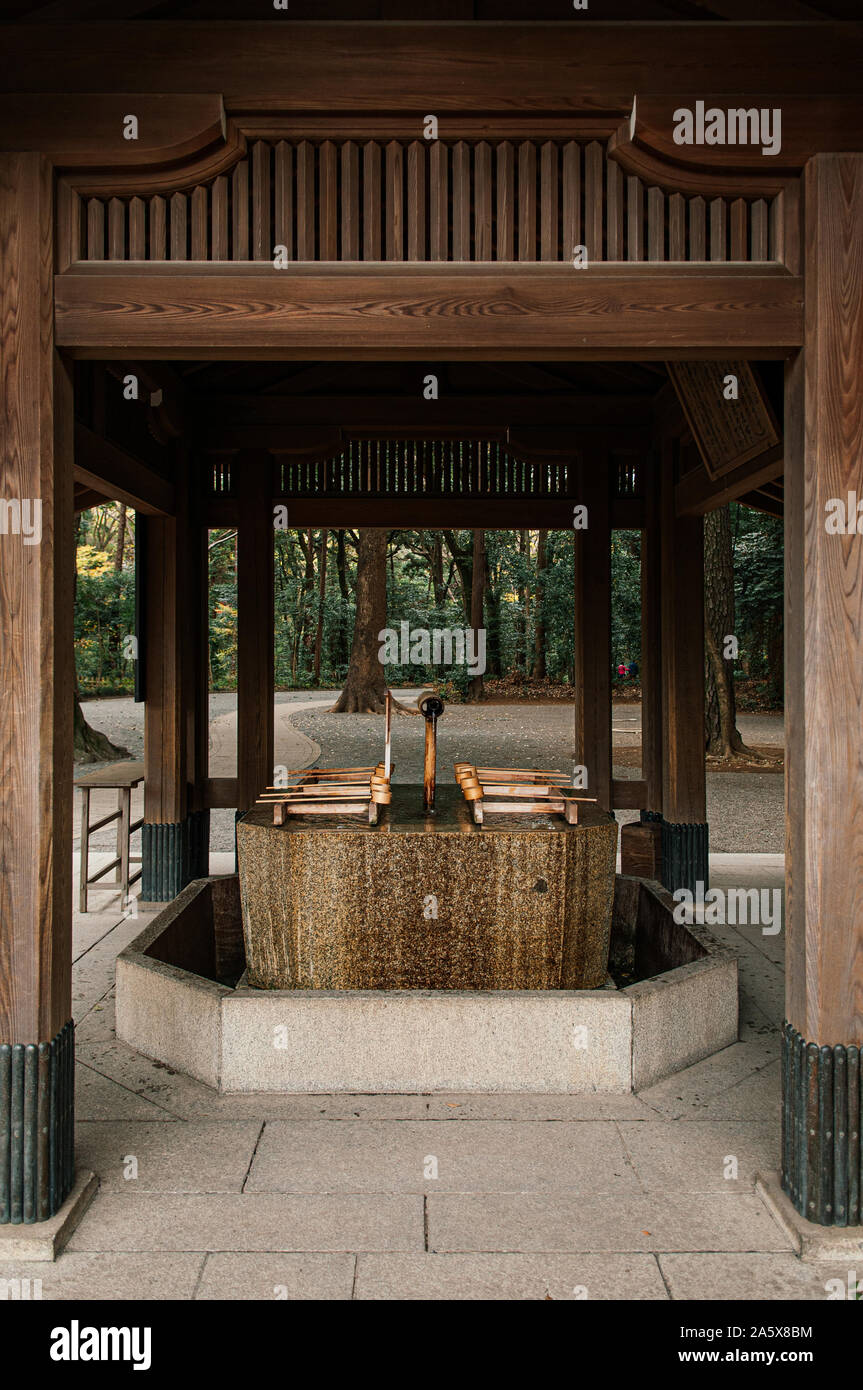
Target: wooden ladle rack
column 336, row 791
column 517, row 791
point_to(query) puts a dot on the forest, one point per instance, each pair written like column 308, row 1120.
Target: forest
column 426, row 578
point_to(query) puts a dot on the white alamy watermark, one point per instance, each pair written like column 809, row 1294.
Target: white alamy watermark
column 736, row 126
column 446, row 646
column 21, row 516
column 718, row 907
column 844, row 518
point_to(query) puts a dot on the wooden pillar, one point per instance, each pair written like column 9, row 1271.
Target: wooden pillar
column 821, row 1163
column 593, row 630
column 175, row 834
column 684, row 784
column 651, row 639
column 37, row 665
column 255, row 619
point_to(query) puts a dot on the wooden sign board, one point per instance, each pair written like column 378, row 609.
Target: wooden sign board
column 731, row 432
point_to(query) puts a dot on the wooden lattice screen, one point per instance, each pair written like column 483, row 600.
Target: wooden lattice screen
column 419, row 201
column 427, row 468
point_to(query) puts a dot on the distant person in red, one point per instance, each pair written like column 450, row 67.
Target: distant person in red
column 621, row 670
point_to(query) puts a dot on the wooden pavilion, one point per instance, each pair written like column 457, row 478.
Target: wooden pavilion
column 261, row 224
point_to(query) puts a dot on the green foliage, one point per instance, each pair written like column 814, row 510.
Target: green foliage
column 759, row 598
column 104, row 606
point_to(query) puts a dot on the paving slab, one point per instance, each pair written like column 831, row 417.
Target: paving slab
column 98, row 1098
column 751, row 1278
column 221, row 1221
column 700, row 1155
column 756, row 1097
column 277, row 1278
column 540, row 1108
column 509, row 1277
column 180, row 1157
column 654, row 1221
column 80, row 1277
column 485, row 1156
column 689, row 1091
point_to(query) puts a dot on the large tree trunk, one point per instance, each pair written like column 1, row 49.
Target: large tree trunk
column 91, row 746
column 720, row 715
column 539, row 625
column 366, row 687
column 464, row 565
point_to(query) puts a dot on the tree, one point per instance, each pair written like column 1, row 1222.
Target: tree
column 366, row 686
column 89, row 745
column 720, row 715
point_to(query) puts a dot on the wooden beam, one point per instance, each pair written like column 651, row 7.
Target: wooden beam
column 89, row 133
column 389, row 414
column 450, row 69
column 645, row 144
column 630, row 794
column 696, row 494
column 255, row 618
column 542, row 310
column 85, row 498
column 761, row 502
column 109, row 470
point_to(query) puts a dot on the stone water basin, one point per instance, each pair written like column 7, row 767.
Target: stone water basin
column 427, row 901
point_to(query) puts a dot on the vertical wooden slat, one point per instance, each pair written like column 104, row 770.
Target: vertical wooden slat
column 505, row 247
column 655, row 224
column 739, row 229
column 178, row 227
column 697, row 229
column 549, row 202
column 282, row 225
column 240, row 211
column 789, row 232
column 219, row 218
column 676, row 227
column 682, row 626
column 416, row 200
column 158, row 229
column 95, row 230
column 116, row 230
column 328, row 200
column 593, row 200
column 438, row 202
column 371, row 201
column 482, row 190
column 395, row 231
column 527, row 201
column 634, row 219
column 350, row 181
column 137, row 229
column 718, row 243
column 69, row 216
column 571, row 198
column 758, row 249
column 199, row 224
column 262, row 239
column 461, row 201
column 614, row 244
column 305, row 201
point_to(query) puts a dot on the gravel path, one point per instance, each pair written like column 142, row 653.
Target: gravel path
column 745, row 810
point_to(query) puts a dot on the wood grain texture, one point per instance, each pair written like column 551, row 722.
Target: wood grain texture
column 36, row 656
column 566, row 68
column 541, row 309
column 824, row 620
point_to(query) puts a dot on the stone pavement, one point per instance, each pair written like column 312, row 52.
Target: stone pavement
column 430, row 1197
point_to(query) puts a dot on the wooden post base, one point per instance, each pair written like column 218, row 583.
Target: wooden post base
column 37, row 1099
column 684, row 856
column 822, row 1099
column 641, row 850
column 173, row 855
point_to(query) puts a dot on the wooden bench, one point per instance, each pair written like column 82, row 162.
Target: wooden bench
column 119, row 777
